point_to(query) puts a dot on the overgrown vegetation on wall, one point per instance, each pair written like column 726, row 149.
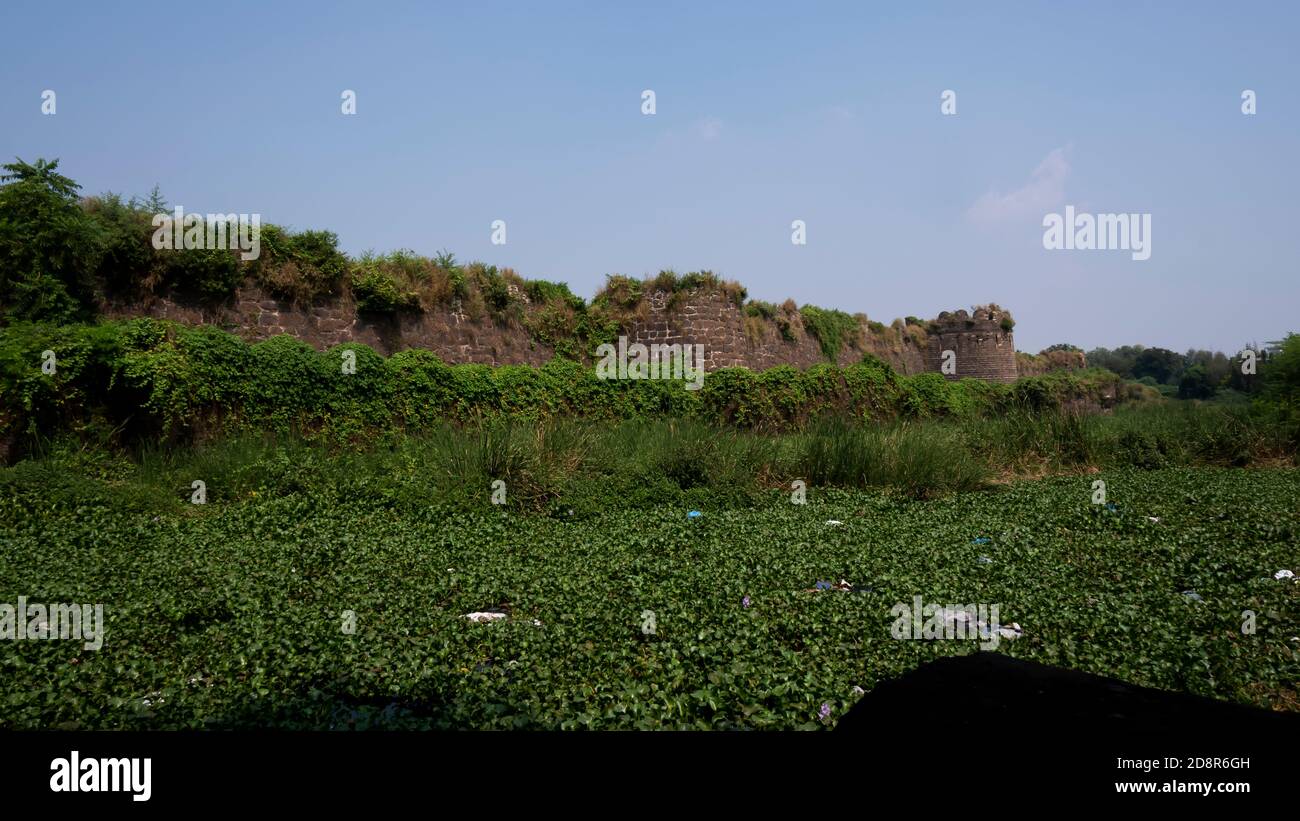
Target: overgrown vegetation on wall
column 149, row 378
column 833, row 329
column 64, row 257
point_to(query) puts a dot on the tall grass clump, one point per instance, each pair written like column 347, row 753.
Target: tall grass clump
column 922, row 461
column 1023, row 440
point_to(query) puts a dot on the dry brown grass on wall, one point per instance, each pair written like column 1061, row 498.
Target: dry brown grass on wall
column 756, row 329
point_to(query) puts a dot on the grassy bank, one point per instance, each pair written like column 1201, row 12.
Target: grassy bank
column 574, row 467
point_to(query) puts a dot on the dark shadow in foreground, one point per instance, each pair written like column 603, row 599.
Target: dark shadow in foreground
column 995, row 692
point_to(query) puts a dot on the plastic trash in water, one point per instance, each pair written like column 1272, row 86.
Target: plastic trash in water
column 834, row 522
column 1155, row 519
column 1010, row 631
column 694, row 514
column 858, row 691
column 841, row 585
column 981, row 540
column 1283, row 574
column 1192, row 595
column 984, row 560
column 485, row 616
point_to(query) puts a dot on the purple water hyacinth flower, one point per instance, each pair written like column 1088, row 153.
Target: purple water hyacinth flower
column 745, row 601
column 825, row 711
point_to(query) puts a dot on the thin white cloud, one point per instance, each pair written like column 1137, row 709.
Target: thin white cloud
column 1044, row 191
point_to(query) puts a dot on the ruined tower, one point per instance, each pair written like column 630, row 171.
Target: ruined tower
column 981, row 342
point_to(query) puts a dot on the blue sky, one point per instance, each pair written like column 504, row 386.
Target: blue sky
column 766, row 113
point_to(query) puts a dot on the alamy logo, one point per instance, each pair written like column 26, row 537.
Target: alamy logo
column 638, row 361
column 181, row 231
column 54, row 621
column 1102, row 232
column 73, row 774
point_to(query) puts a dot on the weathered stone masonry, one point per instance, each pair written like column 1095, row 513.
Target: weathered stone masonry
column 983, row 348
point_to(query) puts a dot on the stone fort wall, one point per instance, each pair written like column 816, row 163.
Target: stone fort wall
column 983, row 348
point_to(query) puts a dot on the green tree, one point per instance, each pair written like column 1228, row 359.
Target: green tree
column 49, row 246
column 1282, row 376
column 1163, row 365
column 1248, row 383
column 1119, row 360
column 1195, row 383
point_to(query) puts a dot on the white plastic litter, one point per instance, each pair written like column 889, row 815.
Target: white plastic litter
column 1010, row 631
column 484, row 617
column 956, row 616
column 1155, row 519
column 834, row 522
column 984, row 560
column 1192, row 595
column 1284, row 574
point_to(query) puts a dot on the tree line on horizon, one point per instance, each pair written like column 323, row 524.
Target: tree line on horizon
column 1196, row 374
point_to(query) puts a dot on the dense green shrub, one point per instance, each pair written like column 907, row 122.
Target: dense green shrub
column 305, row 266
column 491, row 284
column 206, row 273
column 147, row 377
column 128, row 265
column 926, row 395
column 833, row 329
column 79, row 393
column 377, row 292
column 541, row 291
